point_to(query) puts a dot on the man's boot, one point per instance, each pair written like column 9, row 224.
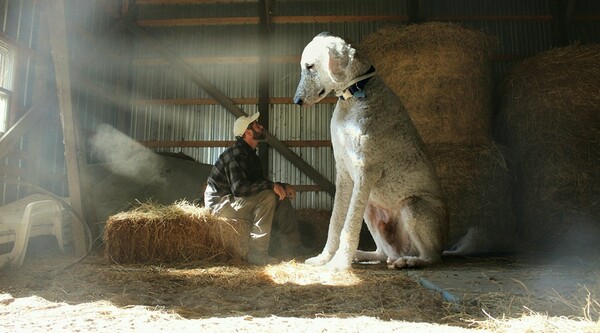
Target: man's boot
column 261, row 258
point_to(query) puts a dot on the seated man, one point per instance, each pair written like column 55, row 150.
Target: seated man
column 238, row 189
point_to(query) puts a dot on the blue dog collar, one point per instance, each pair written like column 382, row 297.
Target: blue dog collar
column 355, row 88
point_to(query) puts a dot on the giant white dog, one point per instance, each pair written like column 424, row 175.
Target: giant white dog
column 383, row 172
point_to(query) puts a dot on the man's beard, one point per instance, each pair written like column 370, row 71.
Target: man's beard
column 258, row 136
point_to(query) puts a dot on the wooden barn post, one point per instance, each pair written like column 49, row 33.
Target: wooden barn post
column 263, row 76
column 60, row 56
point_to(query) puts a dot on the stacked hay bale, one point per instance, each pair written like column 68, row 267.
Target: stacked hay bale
column 442, row 74
column 153, row 233
column 478, row 184
column 550, row 120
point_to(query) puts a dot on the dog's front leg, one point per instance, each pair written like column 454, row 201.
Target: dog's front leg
column 341, row 201
column 350, row 234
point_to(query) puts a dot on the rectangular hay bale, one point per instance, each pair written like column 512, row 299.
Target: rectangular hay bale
column 180, row 232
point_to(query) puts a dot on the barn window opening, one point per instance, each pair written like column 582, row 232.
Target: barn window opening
column 6, row 80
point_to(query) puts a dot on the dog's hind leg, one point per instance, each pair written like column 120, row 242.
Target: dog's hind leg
column 373, row 216
column 341, row 203
column 425, row 221
column 377, row 255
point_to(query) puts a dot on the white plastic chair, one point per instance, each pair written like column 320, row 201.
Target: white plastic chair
column 40, row 217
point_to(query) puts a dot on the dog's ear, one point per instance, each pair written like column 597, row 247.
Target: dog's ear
column 340, row 57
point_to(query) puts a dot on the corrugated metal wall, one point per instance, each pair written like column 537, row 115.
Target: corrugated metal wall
column 240, row 80
column 95, row 62
column 167, row 106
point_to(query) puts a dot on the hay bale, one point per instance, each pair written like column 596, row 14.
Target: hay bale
column 154, row 233
column 477, row 183
column 442, row 74
column 550, row 120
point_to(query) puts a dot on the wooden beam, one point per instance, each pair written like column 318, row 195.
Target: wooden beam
column 338, row 19
column 534, row 18
column 307, row 188
column 13, row 172
column 197, row 60
column 228, row 104
column 253, row 20
column 217, row 60
column 23, row 49
column 58, row 44
column 186, row 144
column 263, row 77
column 199, row 21
column 187, row 2
column 211, row 101
column 14, row 134
column 212, row 144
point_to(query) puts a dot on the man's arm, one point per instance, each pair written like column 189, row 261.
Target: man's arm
column 241, row 185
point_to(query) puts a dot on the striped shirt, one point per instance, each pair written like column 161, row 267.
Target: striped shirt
column 238, row 171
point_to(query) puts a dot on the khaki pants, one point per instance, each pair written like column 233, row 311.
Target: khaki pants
column 266, row 213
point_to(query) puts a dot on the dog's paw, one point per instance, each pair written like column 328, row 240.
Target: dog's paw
column 319, row 260
column 339, row 263
column 410, row 262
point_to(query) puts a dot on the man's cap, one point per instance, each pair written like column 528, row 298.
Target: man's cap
column 240, row 124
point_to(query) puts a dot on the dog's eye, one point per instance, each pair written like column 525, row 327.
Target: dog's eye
column 310, row 66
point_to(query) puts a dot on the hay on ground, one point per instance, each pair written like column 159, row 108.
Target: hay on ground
column 550, row 119
column 180, row 232
column 477, row 183
column 442, row 74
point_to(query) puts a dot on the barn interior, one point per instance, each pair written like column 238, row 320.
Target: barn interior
column 109, row 108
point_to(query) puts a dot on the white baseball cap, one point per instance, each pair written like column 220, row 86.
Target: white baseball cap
column 240, row 124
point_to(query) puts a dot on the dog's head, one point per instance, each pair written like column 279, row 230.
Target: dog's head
column 324, row 67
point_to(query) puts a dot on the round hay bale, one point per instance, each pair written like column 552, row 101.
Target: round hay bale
column 442, row 74
column 477, row 183
column 153, row 233
column 550, row 121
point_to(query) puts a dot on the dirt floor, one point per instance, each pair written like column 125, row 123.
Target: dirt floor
column 52, row 292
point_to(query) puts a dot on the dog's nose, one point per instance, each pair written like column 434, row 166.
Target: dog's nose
column 298, row 100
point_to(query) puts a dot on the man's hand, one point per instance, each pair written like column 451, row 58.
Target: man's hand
column 279, row 190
